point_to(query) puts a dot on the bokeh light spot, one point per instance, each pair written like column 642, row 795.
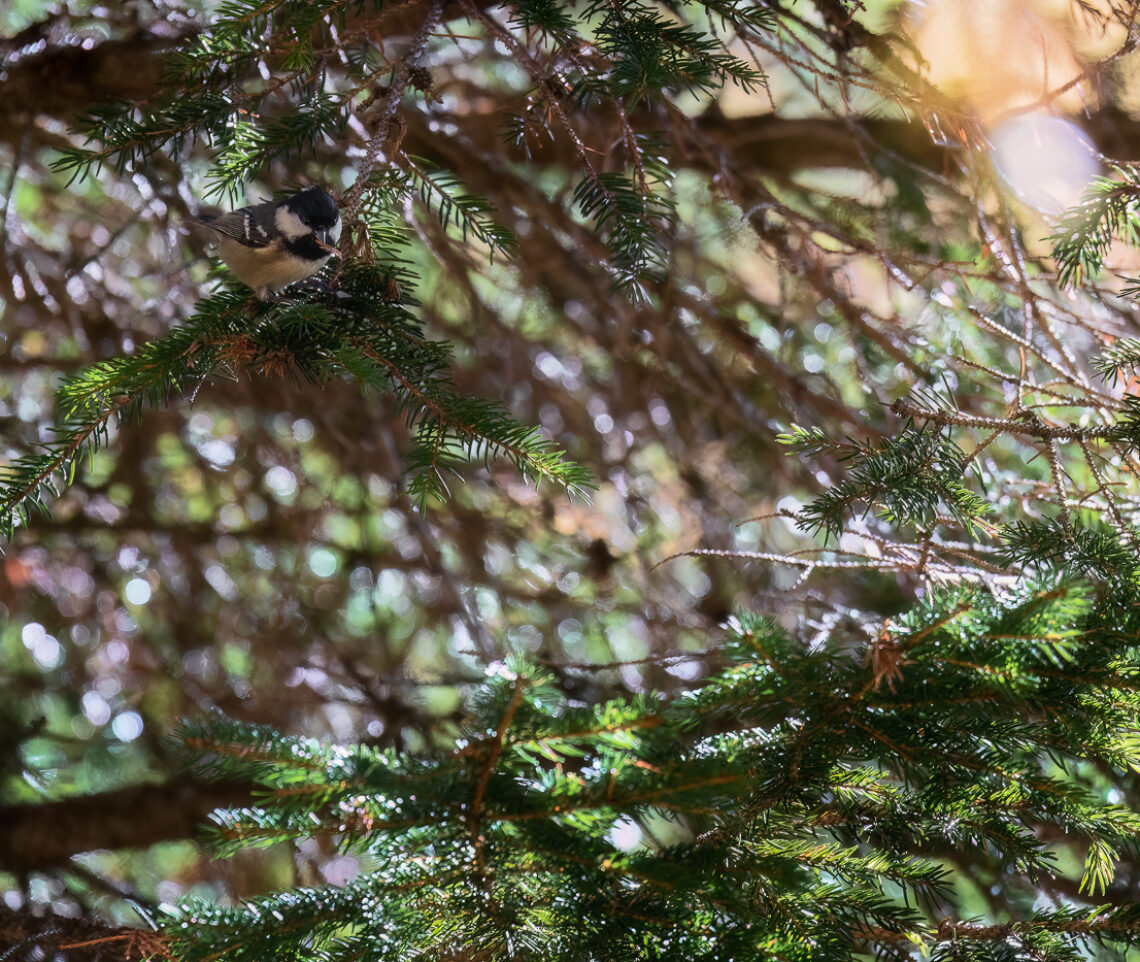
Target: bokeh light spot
column 1047, row 161
column 137, row 592
column 127, row 726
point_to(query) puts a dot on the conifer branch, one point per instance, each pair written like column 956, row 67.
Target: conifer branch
column 25, row 481
column 521, row 812
column 631, row 219
column 1025, row 423
column 385, row 115
column 1109, row 208
column 438, row 190
column 361, row 334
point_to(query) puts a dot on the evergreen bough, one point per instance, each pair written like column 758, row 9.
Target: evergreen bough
column 806, row 802
column 365, row 332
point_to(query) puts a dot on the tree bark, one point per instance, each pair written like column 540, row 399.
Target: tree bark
column 36, row 837
column 61, row 82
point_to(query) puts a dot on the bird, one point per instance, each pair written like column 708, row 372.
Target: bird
column 272, row 245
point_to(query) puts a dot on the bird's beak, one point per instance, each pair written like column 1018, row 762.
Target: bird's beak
column 323, row 244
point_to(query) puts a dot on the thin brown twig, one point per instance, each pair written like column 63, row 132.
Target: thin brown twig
column 385, row 116
column 1027, row 425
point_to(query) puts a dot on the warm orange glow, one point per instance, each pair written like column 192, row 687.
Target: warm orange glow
column 997, row 55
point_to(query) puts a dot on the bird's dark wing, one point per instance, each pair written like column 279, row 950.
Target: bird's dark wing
column 242, row 225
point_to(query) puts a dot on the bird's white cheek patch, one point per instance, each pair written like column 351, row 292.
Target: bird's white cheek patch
column 290, row 224
column 334, row 233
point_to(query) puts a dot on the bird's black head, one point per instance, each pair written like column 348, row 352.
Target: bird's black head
column 315, row 208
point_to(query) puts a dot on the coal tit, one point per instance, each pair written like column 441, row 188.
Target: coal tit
column 272, row 245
